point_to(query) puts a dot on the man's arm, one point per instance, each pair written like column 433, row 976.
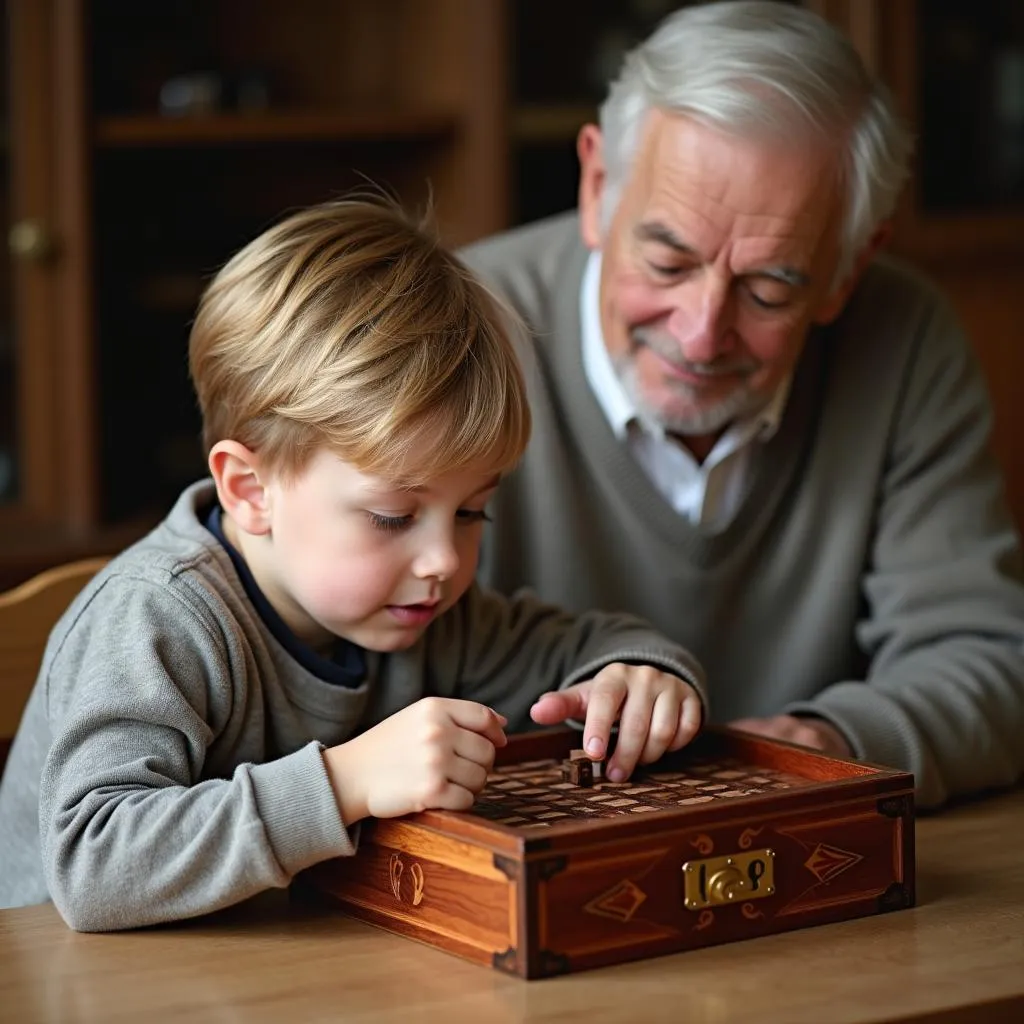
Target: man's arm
column 945, row 631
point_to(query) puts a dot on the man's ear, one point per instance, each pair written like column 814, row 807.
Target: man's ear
column 590, row 150
column 836, row 300
column 241, row 488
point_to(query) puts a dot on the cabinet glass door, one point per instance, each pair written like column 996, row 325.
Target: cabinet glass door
column 971, row 67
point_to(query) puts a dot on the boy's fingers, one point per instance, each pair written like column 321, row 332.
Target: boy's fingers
column 552, row 708
column 454, row 798
column 468, row 775
column 604, row 699
column 689, row 723
column 666, row 721
column 479, row 718
column 634, row 729
column 471, row 746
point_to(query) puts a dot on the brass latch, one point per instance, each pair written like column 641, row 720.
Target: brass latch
column 718, row 880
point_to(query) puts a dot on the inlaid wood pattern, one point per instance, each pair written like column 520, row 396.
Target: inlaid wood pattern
column 534, row 795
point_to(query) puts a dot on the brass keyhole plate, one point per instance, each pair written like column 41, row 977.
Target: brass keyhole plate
column 736, row 878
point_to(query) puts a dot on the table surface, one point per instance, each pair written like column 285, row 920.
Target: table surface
column 957, row 957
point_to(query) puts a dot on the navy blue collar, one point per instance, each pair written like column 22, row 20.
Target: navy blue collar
column 347, row 664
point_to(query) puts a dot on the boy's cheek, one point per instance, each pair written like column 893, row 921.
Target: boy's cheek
column 343, row 589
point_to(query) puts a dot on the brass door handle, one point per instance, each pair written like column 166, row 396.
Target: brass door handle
column 31, row 241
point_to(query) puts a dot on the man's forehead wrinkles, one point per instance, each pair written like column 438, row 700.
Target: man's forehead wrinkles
column 778, row 265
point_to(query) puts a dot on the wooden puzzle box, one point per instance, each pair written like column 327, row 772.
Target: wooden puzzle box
column 732, row 838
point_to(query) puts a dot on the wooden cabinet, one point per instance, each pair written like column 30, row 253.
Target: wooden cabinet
column 956, row 68
column 150, row 141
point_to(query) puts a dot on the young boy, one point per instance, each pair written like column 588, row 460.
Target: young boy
column 300, row 644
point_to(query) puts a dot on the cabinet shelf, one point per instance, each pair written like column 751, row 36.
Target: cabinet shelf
column 536, row 123
column 297, row 126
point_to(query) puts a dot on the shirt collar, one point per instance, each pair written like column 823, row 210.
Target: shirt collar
column 604, row 382
column 617, row 406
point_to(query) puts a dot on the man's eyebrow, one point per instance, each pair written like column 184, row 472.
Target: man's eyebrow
column 655, row 231
column 787, row 275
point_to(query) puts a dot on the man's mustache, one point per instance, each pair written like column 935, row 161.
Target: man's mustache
column 668, row 349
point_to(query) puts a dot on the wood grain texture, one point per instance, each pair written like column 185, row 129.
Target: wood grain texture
column 957, row 957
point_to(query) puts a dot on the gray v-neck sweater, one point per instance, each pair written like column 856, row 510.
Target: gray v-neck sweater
column 872, row 575
column 169, row 760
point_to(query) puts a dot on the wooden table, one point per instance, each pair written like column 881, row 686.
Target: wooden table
column 957, row 957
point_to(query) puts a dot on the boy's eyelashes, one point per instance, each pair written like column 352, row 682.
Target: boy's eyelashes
column 392, row 524
column 389, row 524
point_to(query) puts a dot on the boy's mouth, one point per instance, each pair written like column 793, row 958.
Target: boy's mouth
column 414, row 614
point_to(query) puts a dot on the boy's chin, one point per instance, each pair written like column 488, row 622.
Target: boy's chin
column 385, row 643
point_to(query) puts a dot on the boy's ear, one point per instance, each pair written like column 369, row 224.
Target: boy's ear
column 240, row 486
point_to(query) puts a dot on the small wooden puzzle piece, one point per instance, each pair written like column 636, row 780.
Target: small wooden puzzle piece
column 581, row 770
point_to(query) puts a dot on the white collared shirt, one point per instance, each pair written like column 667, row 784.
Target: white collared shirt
column 707, row 493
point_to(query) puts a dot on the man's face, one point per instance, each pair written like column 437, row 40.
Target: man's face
column 718, row 258
column 356, row 556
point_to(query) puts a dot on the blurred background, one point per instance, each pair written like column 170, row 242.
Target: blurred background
column 144, row 142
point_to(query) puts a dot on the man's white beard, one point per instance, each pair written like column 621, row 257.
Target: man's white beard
column 701, row 420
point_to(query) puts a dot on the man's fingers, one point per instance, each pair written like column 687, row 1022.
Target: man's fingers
column 815, row 733
column 758, row 726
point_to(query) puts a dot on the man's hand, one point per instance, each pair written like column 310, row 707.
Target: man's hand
column 656, row 712
column 808, row 732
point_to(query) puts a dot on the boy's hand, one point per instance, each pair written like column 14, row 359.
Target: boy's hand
column 656, row 712
column 434, row 753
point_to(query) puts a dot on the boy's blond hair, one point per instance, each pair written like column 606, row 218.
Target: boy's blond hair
column 349, row 327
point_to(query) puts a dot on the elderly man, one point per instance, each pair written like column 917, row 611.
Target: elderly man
column 749, row 427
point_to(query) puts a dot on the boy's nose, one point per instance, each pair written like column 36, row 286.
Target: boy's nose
column 440, row 560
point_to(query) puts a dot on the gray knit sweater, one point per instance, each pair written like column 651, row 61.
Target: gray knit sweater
column 872, row 575
column 169, row 760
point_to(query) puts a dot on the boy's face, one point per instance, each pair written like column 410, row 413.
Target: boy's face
column 354, row 556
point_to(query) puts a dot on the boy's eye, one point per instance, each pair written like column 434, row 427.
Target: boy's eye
column 470, row 515
column 389, row 524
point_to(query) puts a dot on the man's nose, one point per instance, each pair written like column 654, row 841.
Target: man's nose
column 702, row 319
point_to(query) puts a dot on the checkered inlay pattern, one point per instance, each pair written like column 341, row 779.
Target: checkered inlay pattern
column 533, row 795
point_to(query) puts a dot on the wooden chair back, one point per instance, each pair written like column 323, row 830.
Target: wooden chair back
column 27, row 614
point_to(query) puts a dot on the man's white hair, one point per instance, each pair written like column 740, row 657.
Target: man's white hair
column 759, row 68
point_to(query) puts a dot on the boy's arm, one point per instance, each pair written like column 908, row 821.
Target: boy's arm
column 132, row 833
column 513, row 649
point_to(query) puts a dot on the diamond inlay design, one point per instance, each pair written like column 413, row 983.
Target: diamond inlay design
column 826, row 862
column 620, row 902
